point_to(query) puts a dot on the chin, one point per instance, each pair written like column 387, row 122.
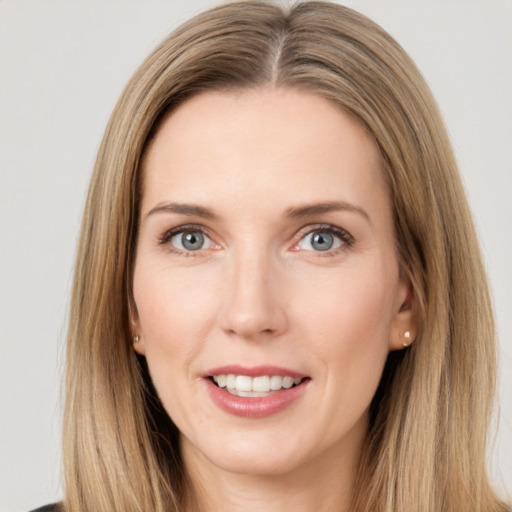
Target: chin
column 249, row 456
column 257, row 465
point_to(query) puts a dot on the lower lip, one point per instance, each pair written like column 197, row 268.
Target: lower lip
column 255, row 407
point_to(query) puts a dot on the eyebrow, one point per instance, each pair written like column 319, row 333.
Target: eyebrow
column 295, row 213
column 183, row 209
column 302, row 212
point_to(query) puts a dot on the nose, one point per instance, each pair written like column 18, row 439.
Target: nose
column 254, row 296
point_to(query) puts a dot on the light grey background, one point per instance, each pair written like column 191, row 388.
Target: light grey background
column 63, row 65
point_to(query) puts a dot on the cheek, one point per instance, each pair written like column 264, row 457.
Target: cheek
column 348, row 323
column 175, row 311
column 355, row 305
column 348, row 318
column 175, row 314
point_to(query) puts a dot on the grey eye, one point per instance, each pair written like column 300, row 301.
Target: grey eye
column 190, row 241
column 320, row 241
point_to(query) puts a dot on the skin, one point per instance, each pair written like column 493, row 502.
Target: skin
column 259, row 293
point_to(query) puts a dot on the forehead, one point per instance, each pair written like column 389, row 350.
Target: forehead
column 275, row 143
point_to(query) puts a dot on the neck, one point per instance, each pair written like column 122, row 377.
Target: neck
column 324, row 484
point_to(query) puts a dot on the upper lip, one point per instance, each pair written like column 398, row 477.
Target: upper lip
column 254, row 371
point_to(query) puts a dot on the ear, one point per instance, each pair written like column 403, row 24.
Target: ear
column 137, row 340
column 404, row 326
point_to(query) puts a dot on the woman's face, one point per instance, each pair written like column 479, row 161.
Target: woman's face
column 265, row 260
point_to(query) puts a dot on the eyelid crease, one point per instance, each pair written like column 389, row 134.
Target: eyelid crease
column 346, row 238
column 168, row 234
column 328, row 228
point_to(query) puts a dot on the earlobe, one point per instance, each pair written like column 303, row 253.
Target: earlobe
column 407, row 339
column 138, row 345
column 404, row 326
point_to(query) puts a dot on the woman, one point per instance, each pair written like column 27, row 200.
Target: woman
column 271, row 305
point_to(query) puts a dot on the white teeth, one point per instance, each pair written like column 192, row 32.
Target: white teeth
column 230, row 381
column 261, row 383
column 287, row 382
column 251, row 394
column 243, row 385
column 276, row 382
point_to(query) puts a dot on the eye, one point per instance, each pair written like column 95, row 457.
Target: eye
column 325, row 239
column 189, row 240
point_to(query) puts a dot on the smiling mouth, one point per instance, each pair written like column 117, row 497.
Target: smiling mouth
column 254, row 387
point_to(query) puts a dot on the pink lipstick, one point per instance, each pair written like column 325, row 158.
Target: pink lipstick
column 254, row 392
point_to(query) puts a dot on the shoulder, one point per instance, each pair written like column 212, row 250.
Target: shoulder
column 47, row 508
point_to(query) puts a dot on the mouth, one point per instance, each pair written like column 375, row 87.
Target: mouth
column 254, row 387
column 255, row 392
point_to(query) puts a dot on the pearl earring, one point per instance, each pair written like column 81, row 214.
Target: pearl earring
column 407, row 336
column 135, row 339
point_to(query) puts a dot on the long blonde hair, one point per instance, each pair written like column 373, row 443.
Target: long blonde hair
column 427, row 437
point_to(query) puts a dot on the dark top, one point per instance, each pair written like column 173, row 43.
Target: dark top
column 46, row 508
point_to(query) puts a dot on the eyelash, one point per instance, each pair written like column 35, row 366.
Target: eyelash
column 168, row 235
column 346, row 238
